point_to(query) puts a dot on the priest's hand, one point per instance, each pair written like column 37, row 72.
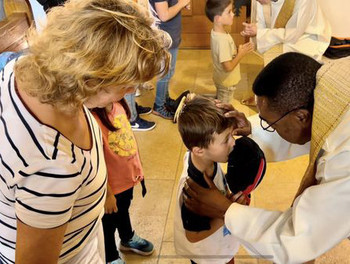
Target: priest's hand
column 249, row 30
column 239, row 197
column 205, row 201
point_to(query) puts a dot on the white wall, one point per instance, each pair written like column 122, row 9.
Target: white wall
column 338, row 14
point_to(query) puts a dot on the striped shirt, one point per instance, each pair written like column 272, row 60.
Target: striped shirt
column 45, row 180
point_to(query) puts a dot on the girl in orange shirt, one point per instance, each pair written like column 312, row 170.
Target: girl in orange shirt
column 124, row 172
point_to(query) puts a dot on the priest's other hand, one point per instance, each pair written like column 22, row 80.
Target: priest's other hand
column 205, row 201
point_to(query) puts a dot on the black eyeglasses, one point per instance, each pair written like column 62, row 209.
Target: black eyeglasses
column 268, row 127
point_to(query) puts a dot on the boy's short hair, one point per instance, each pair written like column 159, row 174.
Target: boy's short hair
column 215, row 8
column 199, row 119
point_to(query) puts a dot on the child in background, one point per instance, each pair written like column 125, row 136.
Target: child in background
column 208, row 135
column 169, row 14
column 124, row 172
column 223, row 49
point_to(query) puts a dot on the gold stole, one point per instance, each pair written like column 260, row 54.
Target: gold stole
column 332, row 101
column 283, row 17
column 285, row 14
column 267, row 14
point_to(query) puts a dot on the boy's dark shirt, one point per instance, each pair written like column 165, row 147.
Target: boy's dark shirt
column 190, row 220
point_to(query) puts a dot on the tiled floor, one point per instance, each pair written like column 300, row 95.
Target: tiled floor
column 162, row 153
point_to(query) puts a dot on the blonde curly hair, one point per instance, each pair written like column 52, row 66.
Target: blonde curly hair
column 88, row 45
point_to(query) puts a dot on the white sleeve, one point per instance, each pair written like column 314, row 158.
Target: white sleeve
column 46, row 192
column 295, row 28
column 275, row 147
column 318, row 220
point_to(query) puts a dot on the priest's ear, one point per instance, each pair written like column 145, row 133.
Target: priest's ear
column 304, row 116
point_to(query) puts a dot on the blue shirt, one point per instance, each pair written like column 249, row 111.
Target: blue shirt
column 172, row 26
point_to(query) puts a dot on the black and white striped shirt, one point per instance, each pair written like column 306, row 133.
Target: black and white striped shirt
column 45, row 180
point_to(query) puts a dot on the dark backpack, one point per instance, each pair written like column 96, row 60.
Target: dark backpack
column 338, row 48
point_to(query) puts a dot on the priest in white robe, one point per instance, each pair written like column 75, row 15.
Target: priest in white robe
column 289, row 26
column 316, row 121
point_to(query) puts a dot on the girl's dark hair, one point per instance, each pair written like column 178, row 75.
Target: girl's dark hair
column 103, row 115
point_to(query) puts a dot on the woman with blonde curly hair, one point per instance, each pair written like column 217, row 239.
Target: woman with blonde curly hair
column 52, row 169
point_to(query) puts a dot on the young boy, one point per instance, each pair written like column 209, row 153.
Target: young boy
column 207, row 134
column 223, row 49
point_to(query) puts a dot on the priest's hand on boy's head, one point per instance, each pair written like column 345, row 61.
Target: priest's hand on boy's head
column 244, row 127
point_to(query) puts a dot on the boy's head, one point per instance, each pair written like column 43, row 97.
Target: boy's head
column 205, row 130
column 219, row 10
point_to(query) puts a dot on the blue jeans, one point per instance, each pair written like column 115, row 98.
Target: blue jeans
column 130, row 99
column 162, row 92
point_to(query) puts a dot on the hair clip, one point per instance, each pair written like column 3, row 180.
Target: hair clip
column 179, row 109
column 181, row 106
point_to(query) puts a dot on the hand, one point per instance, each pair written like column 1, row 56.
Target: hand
column 249, row 30
column 185, row 3
column 111, row 204
column 244, row 128
column 207, row 202
column 245, row 48
column 240, row 198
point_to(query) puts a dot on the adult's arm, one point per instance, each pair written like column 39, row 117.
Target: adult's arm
column 42, row 219
column 274, row 147
column 36, row 245
column 294, row 30
column 166, row 13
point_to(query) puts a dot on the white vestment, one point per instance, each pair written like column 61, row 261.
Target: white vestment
column 307, row 31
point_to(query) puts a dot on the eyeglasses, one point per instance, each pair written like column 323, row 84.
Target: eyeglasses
column 268, row 127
